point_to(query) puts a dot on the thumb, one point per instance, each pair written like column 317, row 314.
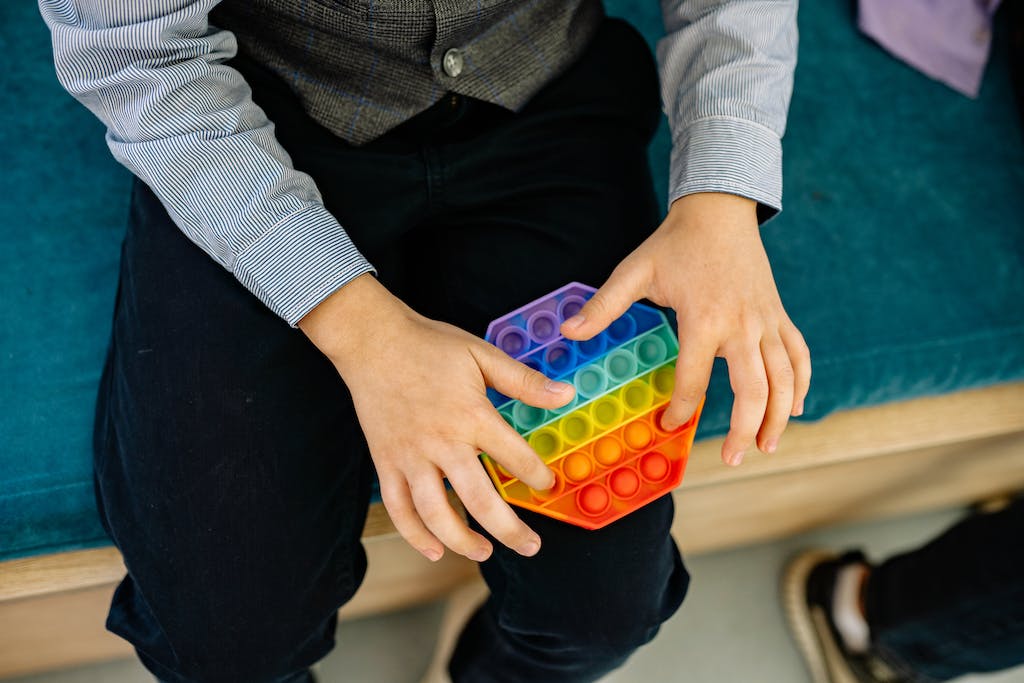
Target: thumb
column 516, row 380
column 622, row 289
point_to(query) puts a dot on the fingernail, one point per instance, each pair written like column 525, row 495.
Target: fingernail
column 575, row 321
column 770, row 445
column 556, row 387
column 669, row 425
column 480, row 554
column 799, row 410
column 736, row 459
column 530, row 548
column 432, row 555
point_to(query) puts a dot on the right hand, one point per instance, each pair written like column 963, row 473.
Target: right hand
column 419, row 391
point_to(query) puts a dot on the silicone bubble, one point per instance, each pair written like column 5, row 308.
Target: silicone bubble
column 542, row 326
column 608, row 450
column 622, row 329
column 512, row 340
column 533, row 364
column 527, row 417
column 577, row 466
column 638, row 435
column 651, row 350
column 620, row 365
column 570, row 306
column 624, row 482
column 654, row 466
column 593, row 347
column 590, row 381
column 506, row 413
column 576, row 427
column 593, row 499
column 656, row 419
column 546, row 442
column 606, row 412
column 559, row 358
column 663, row 380
column 636, row 397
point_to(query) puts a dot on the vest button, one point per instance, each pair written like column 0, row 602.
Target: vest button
column 452, row 62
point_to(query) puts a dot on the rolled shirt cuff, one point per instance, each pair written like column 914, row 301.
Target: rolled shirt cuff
column 731, row 155
column 299, row 262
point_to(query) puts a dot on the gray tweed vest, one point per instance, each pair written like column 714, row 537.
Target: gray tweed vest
column 361, row 67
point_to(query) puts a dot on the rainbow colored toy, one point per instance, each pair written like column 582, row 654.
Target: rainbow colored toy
column 606, row 448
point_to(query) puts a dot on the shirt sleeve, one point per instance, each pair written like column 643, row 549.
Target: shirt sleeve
column 185, row 123
column 726, row 78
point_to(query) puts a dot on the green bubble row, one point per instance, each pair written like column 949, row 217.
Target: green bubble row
column 603, row 376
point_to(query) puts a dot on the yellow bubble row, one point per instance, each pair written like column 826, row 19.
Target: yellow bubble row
column 604, row 413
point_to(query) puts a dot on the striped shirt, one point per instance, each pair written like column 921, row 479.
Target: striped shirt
column 181, row 120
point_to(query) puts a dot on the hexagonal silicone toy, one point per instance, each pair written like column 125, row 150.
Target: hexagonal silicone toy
column 607, row 449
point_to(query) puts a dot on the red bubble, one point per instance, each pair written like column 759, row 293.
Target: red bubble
column 624, row 482
column 593, row 499
column 654, row 466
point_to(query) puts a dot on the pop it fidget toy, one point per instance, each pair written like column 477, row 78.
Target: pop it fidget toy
column 606, row 448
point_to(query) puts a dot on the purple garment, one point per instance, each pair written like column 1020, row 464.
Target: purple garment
column 946, row 39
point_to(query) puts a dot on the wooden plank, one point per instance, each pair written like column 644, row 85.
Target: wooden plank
column 870, row 433
column 78, row 569
column 65, row 629
column 58, row 630
column 45, row 574
column 758, row 509
column 864, row 433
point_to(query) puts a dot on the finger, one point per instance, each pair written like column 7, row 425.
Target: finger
column 623, row 287
column 693, row 372
column 432, row 505
column 516, row 380
column 750, row 388
column 800, row 359
column 505, row 446
column 780, row 393
column 398, row 502
column 477, row 494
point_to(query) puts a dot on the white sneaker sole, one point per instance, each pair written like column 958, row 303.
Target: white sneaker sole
column 805, row 623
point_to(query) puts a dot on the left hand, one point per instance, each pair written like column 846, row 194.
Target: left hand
column 706, row 261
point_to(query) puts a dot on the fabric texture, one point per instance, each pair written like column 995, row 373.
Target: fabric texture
column 899, row 253
column 948, row 41
column 181, row 120
column 956, row 605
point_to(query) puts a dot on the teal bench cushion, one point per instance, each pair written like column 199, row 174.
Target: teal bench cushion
column 899, row 252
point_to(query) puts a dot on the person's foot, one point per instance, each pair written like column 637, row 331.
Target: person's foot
column 809, row 590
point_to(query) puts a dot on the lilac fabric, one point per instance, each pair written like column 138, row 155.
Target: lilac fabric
column 946, row 39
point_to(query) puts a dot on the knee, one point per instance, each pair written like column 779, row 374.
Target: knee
column 605, row 629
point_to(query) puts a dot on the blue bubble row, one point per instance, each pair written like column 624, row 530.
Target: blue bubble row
column 561, row 358
column 602, row 376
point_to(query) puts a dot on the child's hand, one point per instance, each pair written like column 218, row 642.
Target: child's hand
column 706, row 262
column 419, row 390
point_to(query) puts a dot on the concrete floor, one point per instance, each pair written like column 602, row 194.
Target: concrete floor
column 729, row 630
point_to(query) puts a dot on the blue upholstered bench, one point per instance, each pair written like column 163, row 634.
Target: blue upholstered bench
column 899, row 253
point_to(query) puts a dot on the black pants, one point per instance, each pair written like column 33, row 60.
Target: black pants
column 231, row 470
column 956, row 605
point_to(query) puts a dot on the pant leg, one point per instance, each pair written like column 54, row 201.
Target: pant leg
column 956, row 605
column 231, row 470
column 526, row 203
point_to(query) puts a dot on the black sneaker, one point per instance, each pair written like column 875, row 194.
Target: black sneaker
column 807, row 586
